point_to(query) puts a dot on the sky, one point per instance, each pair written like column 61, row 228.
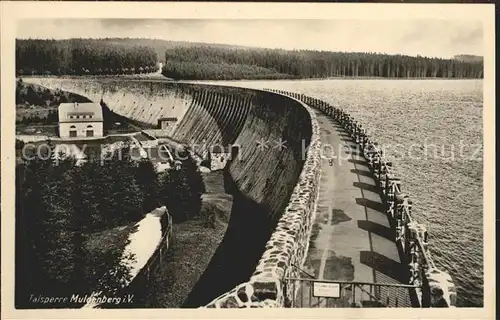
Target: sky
column 426, row 37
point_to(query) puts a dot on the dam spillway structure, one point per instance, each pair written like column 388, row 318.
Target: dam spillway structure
column 284, row 189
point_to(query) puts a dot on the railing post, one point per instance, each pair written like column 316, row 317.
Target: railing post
column 409, row 205
column 394, row 182
column 389, row 193
column 384, row 170
column 358, row 134
column 286, row 300
column 415, row 255
column 353, row 303
column 354, row 130
column 377, row 166
column 400, row 198
column 364, row 139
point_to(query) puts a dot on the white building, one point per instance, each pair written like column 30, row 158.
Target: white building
column 80, row 120
column 218, row 158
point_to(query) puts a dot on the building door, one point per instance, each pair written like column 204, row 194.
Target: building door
column 72, row 131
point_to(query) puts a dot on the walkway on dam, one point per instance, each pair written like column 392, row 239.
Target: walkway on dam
column 351, row 238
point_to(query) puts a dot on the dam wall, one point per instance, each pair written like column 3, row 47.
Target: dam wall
column 286, row 250
column 273, row 174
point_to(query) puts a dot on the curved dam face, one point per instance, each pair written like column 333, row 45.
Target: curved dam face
column 270, row 131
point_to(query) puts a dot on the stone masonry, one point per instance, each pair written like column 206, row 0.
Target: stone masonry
column 289, row 242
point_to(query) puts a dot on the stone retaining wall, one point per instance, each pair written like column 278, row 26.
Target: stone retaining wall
column 289, row 242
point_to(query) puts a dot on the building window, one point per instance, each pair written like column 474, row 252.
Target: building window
column 72, row 131
column 90, row 131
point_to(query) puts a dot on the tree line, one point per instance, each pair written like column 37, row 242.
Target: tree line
column 50, row 118
column 60, row 206
column 82, row 57
column 34, row 95
column 193, row 70
column 184, row 60
column 205, row 62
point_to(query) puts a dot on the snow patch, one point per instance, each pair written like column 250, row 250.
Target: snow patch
column 142, row 245
column 143, row 242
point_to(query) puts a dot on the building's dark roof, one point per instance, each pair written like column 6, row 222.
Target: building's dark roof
column 168, row 119
column 220, row 149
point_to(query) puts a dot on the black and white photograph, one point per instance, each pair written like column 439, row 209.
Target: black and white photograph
column 221, row 163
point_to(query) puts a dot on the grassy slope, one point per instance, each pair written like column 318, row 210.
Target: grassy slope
column 103, row 241
column 193, row 244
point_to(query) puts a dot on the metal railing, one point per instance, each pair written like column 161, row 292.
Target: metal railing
column 351, row 294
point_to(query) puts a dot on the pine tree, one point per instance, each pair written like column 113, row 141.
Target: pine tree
column 195, row 181
column 35, row 177
column 87, row 196
column 147, row 180
column 182, row 190
column 176, row 194
column 55, row 247
column 51, row 232
column 75, row 224
column 126, row 198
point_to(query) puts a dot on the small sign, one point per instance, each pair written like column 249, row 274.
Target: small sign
column 326, row 289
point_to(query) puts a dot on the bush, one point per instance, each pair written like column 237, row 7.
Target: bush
column 19, row 144
column 181, row 191
column 147, row 180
